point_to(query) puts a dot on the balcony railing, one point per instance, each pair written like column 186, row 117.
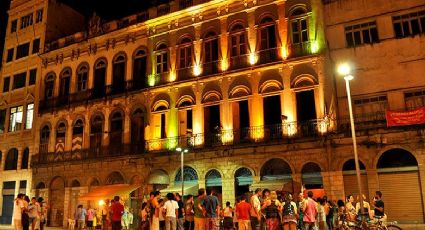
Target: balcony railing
column 268, row 55
column 300, row 49
column 239, row 62
column 259, row 134
column 183, row 4
column 210, row 68
column 363, row 121
column 185, row 73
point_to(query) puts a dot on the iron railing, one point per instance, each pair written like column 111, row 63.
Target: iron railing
column 239, row 62
column 268, row 55
column 300, row 49
column 363, row 121
column 210, row 68
column 185, row 73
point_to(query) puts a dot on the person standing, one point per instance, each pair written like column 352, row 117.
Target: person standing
column 43, row 212
column 144, row 217
column 301, row 202
column 189, row 214
column 171, row 209
column 321, row 214
column 242, row 214
column 180, row 217
column 25, row 214
column 255, row 211
column 228, row 217
column 310, row 212
column 265, row 196
column 155, row 210
column 18, row 208
column 117, row 211
column 199, row 210
column 80, row 216
column 289, row 213
column 33, row 212
column 91, row 214
column 379, row 206
column 351, row 210
column 366, row 209
column 211, row 209
column 272, row 207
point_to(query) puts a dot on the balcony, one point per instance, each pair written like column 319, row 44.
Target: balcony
column 185, row 73
column 183, row 4
column 239, row 62
column 300, row 49
column 210, row 68
column 268, row 56
column 252, row 135
column 363, row 122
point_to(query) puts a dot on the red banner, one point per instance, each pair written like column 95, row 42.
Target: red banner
column 412, row 117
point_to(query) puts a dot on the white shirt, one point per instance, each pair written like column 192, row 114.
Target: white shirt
column 17, row 209
column 34, row 210
column 170, row 207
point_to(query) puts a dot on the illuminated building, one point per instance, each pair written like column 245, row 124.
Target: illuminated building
column 247, row 86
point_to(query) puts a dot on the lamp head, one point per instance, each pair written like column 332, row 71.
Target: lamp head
column 186, row 150
column 178, row 149
column 344, row 69
column 348, row 77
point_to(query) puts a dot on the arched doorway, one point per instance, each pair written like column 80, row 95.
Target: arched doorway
column 350, row 179
column 11, row 160
column 243, row 179
column 399, row 183
column 190, row 177
column 213, row 181
column 158, row 179
column 276, row 174
column 114, row 178
column 56, row 202
column 312, row 180
column 74, row 193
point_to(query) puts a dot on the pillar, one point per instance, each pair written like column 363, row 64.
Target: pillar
column 296, row 182
column 255, row 103
column 20, row 154
column 197, row 45
column 86, row 132
column 252, row 31
column 289, row 98
column 3, row 159
column 223, row 43
column 228, row 190
column 106, row 128
column 198, row 110
column 67, row 212
column 333, row 184
column 225, row 108
column 109, row 69
column 127, row 128
column 172, row 122
column 372, row 181
column 282, row 28
column 172, row 57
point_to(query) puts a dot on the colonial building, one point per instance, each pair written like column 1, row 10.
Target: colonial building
column 248, row 88
column 30, row 24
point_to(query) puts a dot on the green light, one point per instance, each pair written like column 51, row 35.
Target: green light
column 314, row 47
column 151, row 79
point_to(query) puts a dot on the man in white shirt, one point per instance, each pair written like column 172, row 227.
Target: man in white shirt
column 18, row 206
column 171, row 208
column 255, row 211
column 34, row 210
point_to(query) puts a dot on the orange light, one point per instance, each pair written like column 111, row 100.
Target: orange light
column 252, row 58
column 224, row 64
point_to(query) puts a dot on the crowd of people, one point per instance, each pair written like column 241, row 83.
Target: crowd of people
column 29, row 213
column 261, row 210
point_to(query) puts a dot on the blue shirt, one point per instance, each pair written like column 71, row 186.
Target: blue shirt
column 210, row 203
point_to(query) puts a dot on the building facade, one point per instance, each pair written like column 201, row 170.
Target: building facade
column 249, row 88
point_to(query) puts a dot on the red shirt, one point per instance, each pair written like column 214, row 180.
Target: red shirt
column 242, row 210
column 117, row 211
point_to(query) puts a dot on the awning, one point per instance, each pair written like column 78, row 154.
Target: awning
column 189, row 189
column 273, row 185
column 109, row 191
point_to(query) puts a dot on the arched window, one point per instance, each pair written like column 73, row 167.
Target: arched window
column 78, row 128
column 140, row 69
column 213, row 178
column 189, row 175
column 115, row 178
column 44, row 139
column 238, row 46
column 268, row 40
column 60, row 137
column 137, row 131
column 161, row 54
column 65, row 81
column 185, row 53
column 99, row 89
column 25, row 158
column 299, row 25
column 275, row 169
column 49, row 86
column 116, row 128
column 118, row 76
column 96, row 132
column 77, row 135
column 75, row 183
column 82, row 77
column 11, row 160
column 311, row 176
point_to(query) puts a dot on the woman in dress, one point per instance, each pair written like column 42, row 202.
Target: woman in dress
column 228, row 217
column 272, row 207
column 144, row 217
column 289, row 213
column 350, row 209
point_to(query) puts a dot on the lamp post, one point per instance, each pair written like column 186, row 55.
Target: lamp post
column 344, row 70
column 182, row 152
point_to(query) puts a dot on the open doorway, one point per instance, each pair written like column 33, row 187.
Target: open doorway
column 306, row 111
column 240, row 120
column 212, row 125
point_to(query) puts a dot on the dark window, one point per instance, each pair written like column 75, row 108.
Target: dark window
column 22, row 184
column 118, row 78
column 19, row 80
column 299, row 30
column 33, row 77
column 39, row 16
column 22, row 50
column 24, row 164
column 14, row 26
column 409, row 24
column 189, row 119
column 163, row 132
column 82, row 78
column 26, row 21
column 162, row 59
column 366, row 33
column 9, row 57
column 185, row 54
column 238, row 43
column 9, row 185
column 36, row 45
column 11, row 160
column 78, row 128
column 272, row 110
column 211, row 50
column 139, row 69
column 2, row 120
column 6, row 83
column 49, row 86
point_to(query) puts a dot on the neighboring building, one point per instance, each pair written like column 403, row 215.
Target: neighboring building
column 248, row 87
column 31, row 23
column 384, row 42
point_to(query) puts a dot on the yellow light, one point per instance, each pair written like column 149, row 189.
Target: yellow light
column 101, row 202
column 151, row 79
column 197, row 70
column 224, row 64
column 291, row 129
column 323, row 125
column 172, row 77
column 314, row 47
column 252, row 58
column 344, row 69
column 283, row 52
column 227, row 137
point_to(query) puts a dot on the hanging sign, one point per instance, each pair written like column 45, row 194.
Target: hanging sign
column 411, row 117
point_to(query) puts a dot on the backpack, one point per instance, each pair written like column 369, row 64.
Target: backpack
column 288, row 210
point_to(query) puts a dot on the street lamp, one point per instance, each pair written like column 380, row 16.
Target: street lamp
column 345, row 70
column 182, row 152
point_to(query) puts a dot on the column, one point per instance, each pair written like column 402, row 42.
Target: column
column 289, row 98
column 224, row 43
column 127, row 127
column 3, row 159
column 296, row 182
column 86, row 132
column 109, row 69
column 68, row 136
column 198, row 112
column 421, row 179
column 172, row 56
column 282, row 28
column 197, row 46
column 173, row 117
column 252, row 31
column 228, row 190
column 372, row 181
column 106, row 128
column 67, row 213
column 20, row 154
column 333, row 184
column 225, row 108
